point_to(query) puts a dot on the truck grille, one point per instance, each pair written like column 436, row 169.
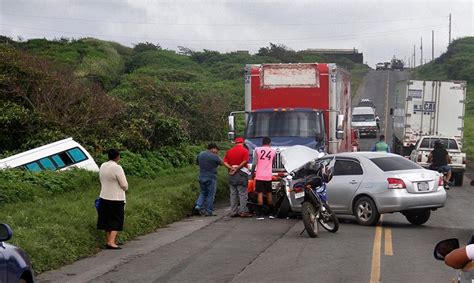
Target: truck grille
column 277, row 163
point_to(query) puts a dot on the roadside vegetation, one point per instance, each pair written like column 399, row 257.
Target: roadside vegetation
column 457, row 63
column 159, row 107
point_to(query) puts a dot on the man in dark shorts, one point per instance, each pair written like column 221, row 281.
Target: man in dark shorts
column 262, row 166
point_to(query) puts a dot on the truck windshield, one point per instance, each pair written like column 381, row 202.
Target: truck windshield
column 363, row 118
column 284, row 124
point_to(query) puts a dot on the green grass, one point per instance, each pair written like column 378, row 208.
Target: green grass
column 58, row 229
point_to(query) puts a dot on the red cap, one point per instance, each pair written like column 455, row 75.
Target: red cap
column 239, row 140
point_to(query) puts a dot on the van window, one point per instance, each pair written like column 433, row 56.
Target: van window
column 47, row 164
column 33, row 166
column 77, row 154
column 65, row 158
column 57, row 159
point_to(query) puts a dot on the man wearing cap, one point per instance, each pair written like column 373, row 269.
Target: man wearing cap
column 237, row 158
column 208, row 161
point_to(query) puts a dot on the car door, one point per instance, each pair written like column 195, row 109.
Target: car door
column 3, row 264
column 348, row 175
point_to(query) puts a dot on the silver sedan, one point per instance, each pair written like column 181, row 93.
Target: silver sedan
column 368, row 184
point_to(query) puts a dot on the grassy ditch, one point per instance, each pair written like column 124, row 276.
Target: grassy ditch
column 58, row 228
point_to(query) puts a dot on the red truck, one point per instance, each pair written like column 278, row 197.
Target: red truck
column 297, row 104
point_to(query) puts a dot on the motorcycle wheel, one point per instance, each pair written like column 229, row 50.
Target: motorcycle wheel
column 309, row 215
column 328, row 219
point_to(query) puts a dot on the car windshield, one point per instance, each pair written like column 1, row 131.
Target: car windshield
column 447, row 143
column 284, row 124
column 366, row 104
column 363, row 118
column 394, row 163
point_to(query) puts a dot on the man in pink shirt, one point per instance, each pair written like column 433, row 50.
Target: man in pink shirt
column 263, row 159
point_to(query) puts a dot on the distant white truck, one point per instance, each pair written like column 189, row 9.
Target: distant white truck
column 458, row 158
column 427, row 108
column 363, row 121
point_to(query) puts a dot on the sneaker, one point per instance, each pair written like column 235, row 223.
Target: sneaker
column 210, row 214
column 196, row 211
column 260, row 217
column 446, row 187
column 271, row 216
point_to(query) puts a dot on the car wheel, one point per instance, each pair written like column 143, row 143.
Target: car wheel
column 366, row 212
column 284, row 209
column 418, row 217
column 458, row 179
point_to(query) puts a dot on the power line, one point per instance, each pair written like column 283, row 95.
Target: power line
column 348, row 36
column 219, row 24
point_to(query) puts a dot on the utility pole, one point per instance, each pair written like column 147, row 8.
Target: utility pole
column 414, row 56
column 421, row 52
column 432, row 45
column 449, row 28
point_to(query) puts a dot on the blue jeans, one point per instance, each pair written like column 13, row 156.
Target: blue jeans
column 207, row 195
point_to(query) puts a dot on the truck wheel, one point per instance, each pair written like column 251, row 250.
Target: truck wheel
column 284, row 208
column 419, row 217
column 366, row 212
column 458, row 178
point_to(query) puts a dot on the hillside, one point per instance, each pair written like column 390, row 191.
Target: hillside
column 105, row 94
column 457, row 63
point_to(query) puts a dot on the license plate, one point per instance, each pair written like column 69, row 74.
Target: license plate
column 299, row 195
column 423, row 186
column 275, row 186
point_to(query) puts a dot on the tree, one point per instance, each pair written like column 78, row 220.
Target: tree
column 142, row 47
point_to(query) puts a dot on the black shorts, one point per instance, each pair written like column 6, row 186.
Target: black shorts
column 263, row 186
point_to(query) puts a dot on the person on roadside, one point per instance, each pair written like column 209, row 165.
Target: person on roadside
column 439, row 160
column 377, row 121
column 381, row 145
column 208, row 161
column 460, row 257
column 112, row 199
column 237, row 158
column 262, row 170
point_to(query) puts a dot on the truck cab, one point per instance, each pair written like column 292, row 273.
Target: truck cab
column 458, row 158
column 363, row 120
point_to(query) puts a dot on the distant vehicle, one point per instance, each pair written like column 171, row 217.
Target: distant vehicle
column 363, row 120
column 368, row 184
column 458, row 158
column 427, row 108
column 59, row 155
column 387, row 65
column 380, row 66
column 15, row 265
column 396, row 65
column 365, row 102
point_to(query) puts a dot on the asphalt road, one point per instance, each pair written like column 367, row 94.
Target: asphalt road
column 379, row 86
column 223, row 249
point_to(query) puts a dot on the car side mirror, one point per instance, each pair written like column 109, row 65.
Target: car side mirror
column 391, row 111
column 231, row 134
column 444, row 247
column 6, row 232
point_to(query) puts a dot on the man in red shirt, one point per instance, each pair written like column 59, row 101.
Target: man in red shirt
column 237, row 158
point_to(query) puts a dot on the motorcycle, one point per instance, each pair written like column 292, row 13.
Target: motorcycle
column 312, row 189
column 443, row 172
column 443, row 248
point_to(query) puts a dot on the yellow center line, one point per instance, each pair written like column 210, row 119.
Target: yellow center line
column 388, row 242
column 376, row 253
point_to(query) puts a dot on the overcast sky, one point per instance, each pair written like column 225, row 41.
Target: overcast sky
column 379, row 29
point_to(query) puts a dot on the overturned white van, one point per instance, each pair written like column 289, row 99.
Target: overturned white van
column 60, row 155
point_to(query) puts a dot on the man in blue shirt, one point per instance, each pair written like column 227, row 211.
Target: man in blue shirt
column 208, row 162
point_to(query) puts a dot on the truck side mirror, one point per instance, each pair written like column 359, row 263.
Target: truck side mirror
column 231, row 134
column 391, row 111
column 340, row 127
column 231, row 123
